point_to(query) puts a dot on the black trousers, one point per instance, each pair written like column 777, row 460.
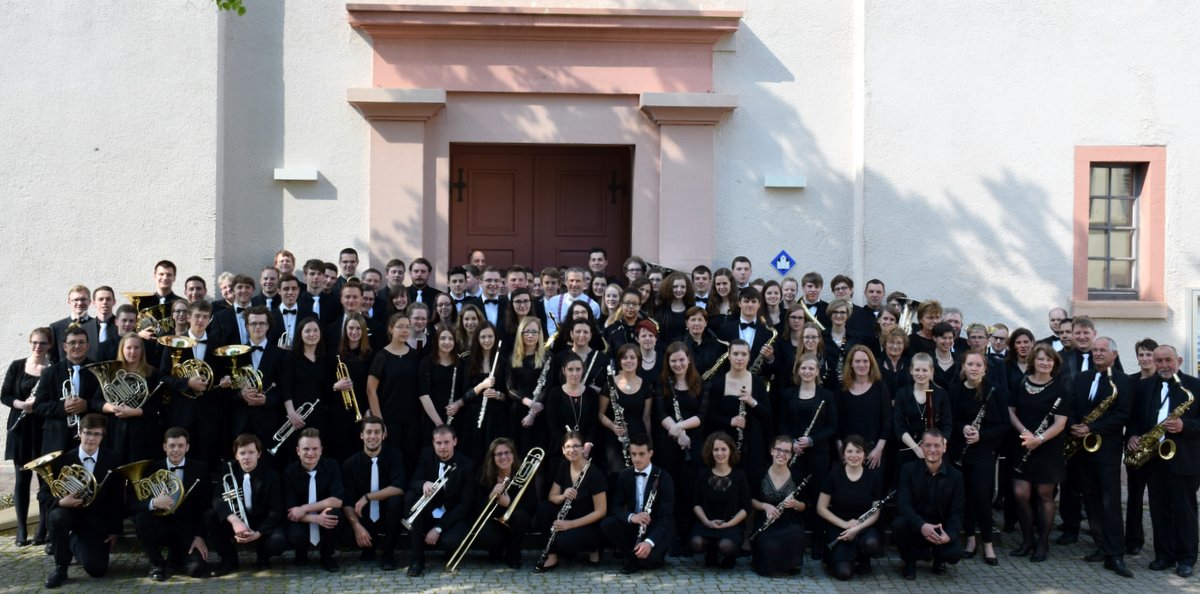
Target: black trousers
column 384, row 532
column 73, row 537
column 272, row 543
column 979, row 483
column 494, row 536
column 1070, row 494
column 298, row 534
column 157, row 532
column 622, row 536
column 1135, row 486
column 1173, row 514
column 912, row 545
column 1102, row 499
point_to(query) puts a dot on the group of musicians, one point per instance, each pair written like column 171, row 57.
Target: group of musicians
column 651, row 414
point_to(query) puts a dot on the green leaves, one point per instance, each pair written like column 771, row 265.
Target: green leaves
column 232, row 6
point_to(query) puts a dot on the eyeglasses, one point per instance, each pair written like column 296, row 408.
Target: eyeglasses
column 521, row 302
column 780, row 451
column 180, row 312
column 798, row 318
column 573, row 446
column 80, row 300
column 502, row 454
column 256, row 324
column 630, row 304
column 633, row 269
column 39, row 343
column 76, row 343
column 839, row 313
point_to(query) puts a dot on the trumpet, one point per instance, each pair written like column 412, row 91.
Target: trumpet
column 1150, row 443
column 160, row 482
column 520, row 479
column 562, row 515
column 287, row 429
column 491, row 376
column 349, row 399
column 242, row 377
column 232, row 496
column 186, row 369
column 423, row 502
column 119, row 386
column 68, row 392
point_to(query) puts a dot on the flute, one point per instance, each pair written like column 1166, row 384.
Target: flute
column 491, row 376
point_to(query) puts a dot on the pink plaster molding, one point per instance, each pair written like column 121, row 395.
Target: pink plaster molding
column 525, row 50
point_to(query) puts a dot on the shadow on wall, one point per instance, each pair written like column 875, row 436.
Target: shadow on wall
column 322, row 189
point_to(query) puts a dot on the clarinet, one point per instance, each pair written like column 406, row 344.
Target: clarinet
column 595, row 355
column 25, row 413
column 978, row 420
column 1020, row 467
column 453, row 383
column 618, row 415
column 687, row 452
column 562, row 515
column 741, row 431
column 491, row 375
column 868, row 513
column 794, row 495
column 808, row 430
column 647, row 509
column 541, row 383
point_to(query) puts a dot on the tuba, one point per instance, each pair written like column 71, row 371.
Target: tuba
column 186, row 369
column 242, row 377
column 160, row 482
column 119, row 386
column 73, row 479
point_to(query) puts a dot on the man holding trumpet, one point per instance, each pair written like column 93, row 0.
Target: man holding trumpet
column 439, row 509
column 248, row 509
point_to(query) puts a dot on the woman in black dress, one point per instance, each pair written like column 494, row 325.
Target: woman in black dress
column 838, row 337
column 678, row 411
column 929, row 313
column 466, row 326
column 133, row 433
column 974, row 448
column 848, row 492
column 520, row 306
column 706, row 348
column 635, row 396
column 393, row 389
column 528, row 382
column 722, row 302
column 675, row 297
column 809, row 411
column 739, row 406
column 572, row 407
column 486, row 408
column 912, row 408
column 779, row 550
column 579, row 531
column 788, row 346
column 884, row 322
column 1041, row 396
column 650, row 364
column 1016, row 365
column 306, row 377
column 893, row 365
column 945, row 368
column 812, row 342
column 722, row 503
column 24, row 428
column 503, row 541
column 443, row 311
column 772, row 311
column 356, row 354
column 442, row 376
column 865, row 406
column 595, row 361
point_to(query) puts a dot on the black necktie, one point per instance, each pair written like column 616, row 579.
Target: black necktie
column 202, row 341
column 745, row 325
column 289, row 312
column 256, row 348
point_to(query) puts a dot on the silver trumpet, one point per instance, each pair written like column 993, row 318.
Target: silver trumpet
column 232, row 496
column 281, row 436
column 423, row 502
column 68, row 392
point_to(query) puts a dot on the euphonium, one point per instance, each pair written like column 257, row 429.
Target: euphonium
column 1090, row 442
column 232, row 496
column 349, row 399
column 423, row 502
column 1149, row 444
column 119, row 386
column 241, row 377
column 908, row 313
column 160, row 482
column 520, row 479
column 287, row 429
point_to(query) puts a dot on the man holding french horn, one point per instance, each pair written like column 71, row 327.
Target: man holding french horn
column 168, row 507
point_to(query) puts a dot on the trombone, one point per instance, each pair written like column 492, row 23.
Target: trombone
column 287, row 429
column 520, row 479
column 349, row 399
column 423, row 502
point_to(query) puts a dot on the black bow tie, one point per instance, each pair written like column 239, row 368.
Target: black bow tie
column 174, row 468
column 491, row 302
column 289, row 312
column 82, row 320
column 256, row 348
column 238, row 309
column 202, row 341
column 641, row 474
column 89, row 459
column 745, row 325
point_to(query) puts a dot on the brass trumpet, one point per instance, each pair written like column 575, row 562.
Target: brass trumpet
column 349, row 398
column 242, row 377
column 160, row 482
column 119, row 386
column 287, row 429
column 186, row 369
column 520, row 479
column 423, row 502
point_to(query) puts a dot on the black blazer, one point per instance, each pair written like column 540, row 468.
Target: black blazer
column 329, row 483
column 277, row 324
column 189, row 518
column 1187, row 442
column 731, row 331
column 922, row 497
column 183, row 411
column 456, row 496
column 263, row 420
column 48, row 403
column 104, row 515
column 261, row 299
column 266, row 493
column 331, row 309
column 428, row 295
column 225, row 326
column 662, row 519
column 59, row 329
column 1110, row 426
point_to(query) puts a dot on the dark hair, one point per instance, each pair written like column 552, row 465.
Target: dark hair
column 197, row 279
column 941, row 328
column 749, row 294
column 599, row 250
column 839, row 279
column 319, row 350
column 445, row 429
column 701, row 269
column 691, row 376
column 1145, row 344
column 422, row 261
column 93, row 421
column 364, row 345
column 246, row 439
column 310, row 432
column 289, row 277
column 856, row 441
column 932, row 432
column 640, row 439
column 487, row 478
column 371, row 420
column 350, row 251
column 476, row 360
column 713, row 438
column 1010, row 355
column 176, row 432
column 165, row 264
column 257, row 310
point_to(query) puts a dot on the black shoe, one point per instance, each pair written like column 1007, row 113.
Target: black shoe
column 710, row 558
column 630, row 568
column 728, row 562
column 863, row 567
column 37, row 542
column 1023, row 550
column 262, row 563
column 1117, row 565
column 817, row 553
column 939, row 567
column 158, row 573
column 416, row 569
column 1160, row 565
column 301, row 558
column 968, row 554
column 546, row 568
column 1184, row 571
column 22, row 540
column 1068, row 538
column 225, row 567
column 387, row 564
column 49, row 550
column 991, row 561
column 1133, row 550
column 329, row 564
column 910, row 571
column 1038, row 555
column 367, row 555
column 57, row 576
column 1096, row 556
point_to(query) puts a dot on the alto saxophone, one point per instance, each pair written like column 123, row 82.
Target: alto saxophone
column 1148, row 444
column 756, row 366
column 1090, row 442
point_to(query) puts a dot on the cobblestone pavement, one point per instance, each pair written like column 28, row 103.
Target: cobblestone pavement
column 1064, row 571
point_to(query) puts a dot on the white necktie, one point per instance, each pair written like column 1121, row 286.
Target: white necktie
column 75, row 380
column 1087, row 360
column 639, row 491
column 241, row 321
column 246, row 493
column 1095, row 387
column 374, row 487
column 418, row 294
column 1164, row 408
column 317, row 305
column 314, row 532
column 440, row 510
column 103, row 331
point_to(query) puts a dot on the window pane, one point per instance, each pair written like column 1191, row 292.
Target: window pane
column 1097, row 214
column 1096, row 271
column 1099, row 181
column 1122, row 274
column 1096, row 244
column 1121, row 245
column 1122, row 213
column 1122, row 181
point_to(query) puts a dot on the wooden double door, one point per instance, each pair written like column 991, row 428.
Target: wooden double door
column 539, row 205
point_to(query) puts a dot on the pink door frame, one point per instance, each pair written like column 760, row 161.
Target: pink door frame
column 447, row 74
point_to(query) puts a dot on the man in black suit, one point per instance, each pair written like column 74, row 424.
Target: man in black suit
column 66, row 375
column 351, row 301
column 229, row 325
column 79, row 299
column 192, row 406
column 1173, row 483
column 83, row 527
column 195, row 288
column 313, row 300
column 106, row 331
column 123, row 323
column 254, row 411
column 268, row 282
column 929, row 500
column 181, row 531
column 164, row 281
column 444, row 521
column 1057, row 316
column 394, row 274
column 810, row 286
column 456, row 283
column 288, row 313
column 750, row 328
column 259, row 495
column 347, row 269
column 374, row 505
column 313, row 495
column 1099, row 473
column 419, row 270
column 629, row 515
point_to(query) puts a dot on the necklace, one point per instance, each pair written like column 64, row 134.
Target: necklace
column 576, row 402
column 1033, row 388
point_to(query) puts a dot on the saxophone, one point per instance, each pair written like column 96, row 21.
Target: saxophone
column 976, row 423
column 1149, row 444
column 1091, row 441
